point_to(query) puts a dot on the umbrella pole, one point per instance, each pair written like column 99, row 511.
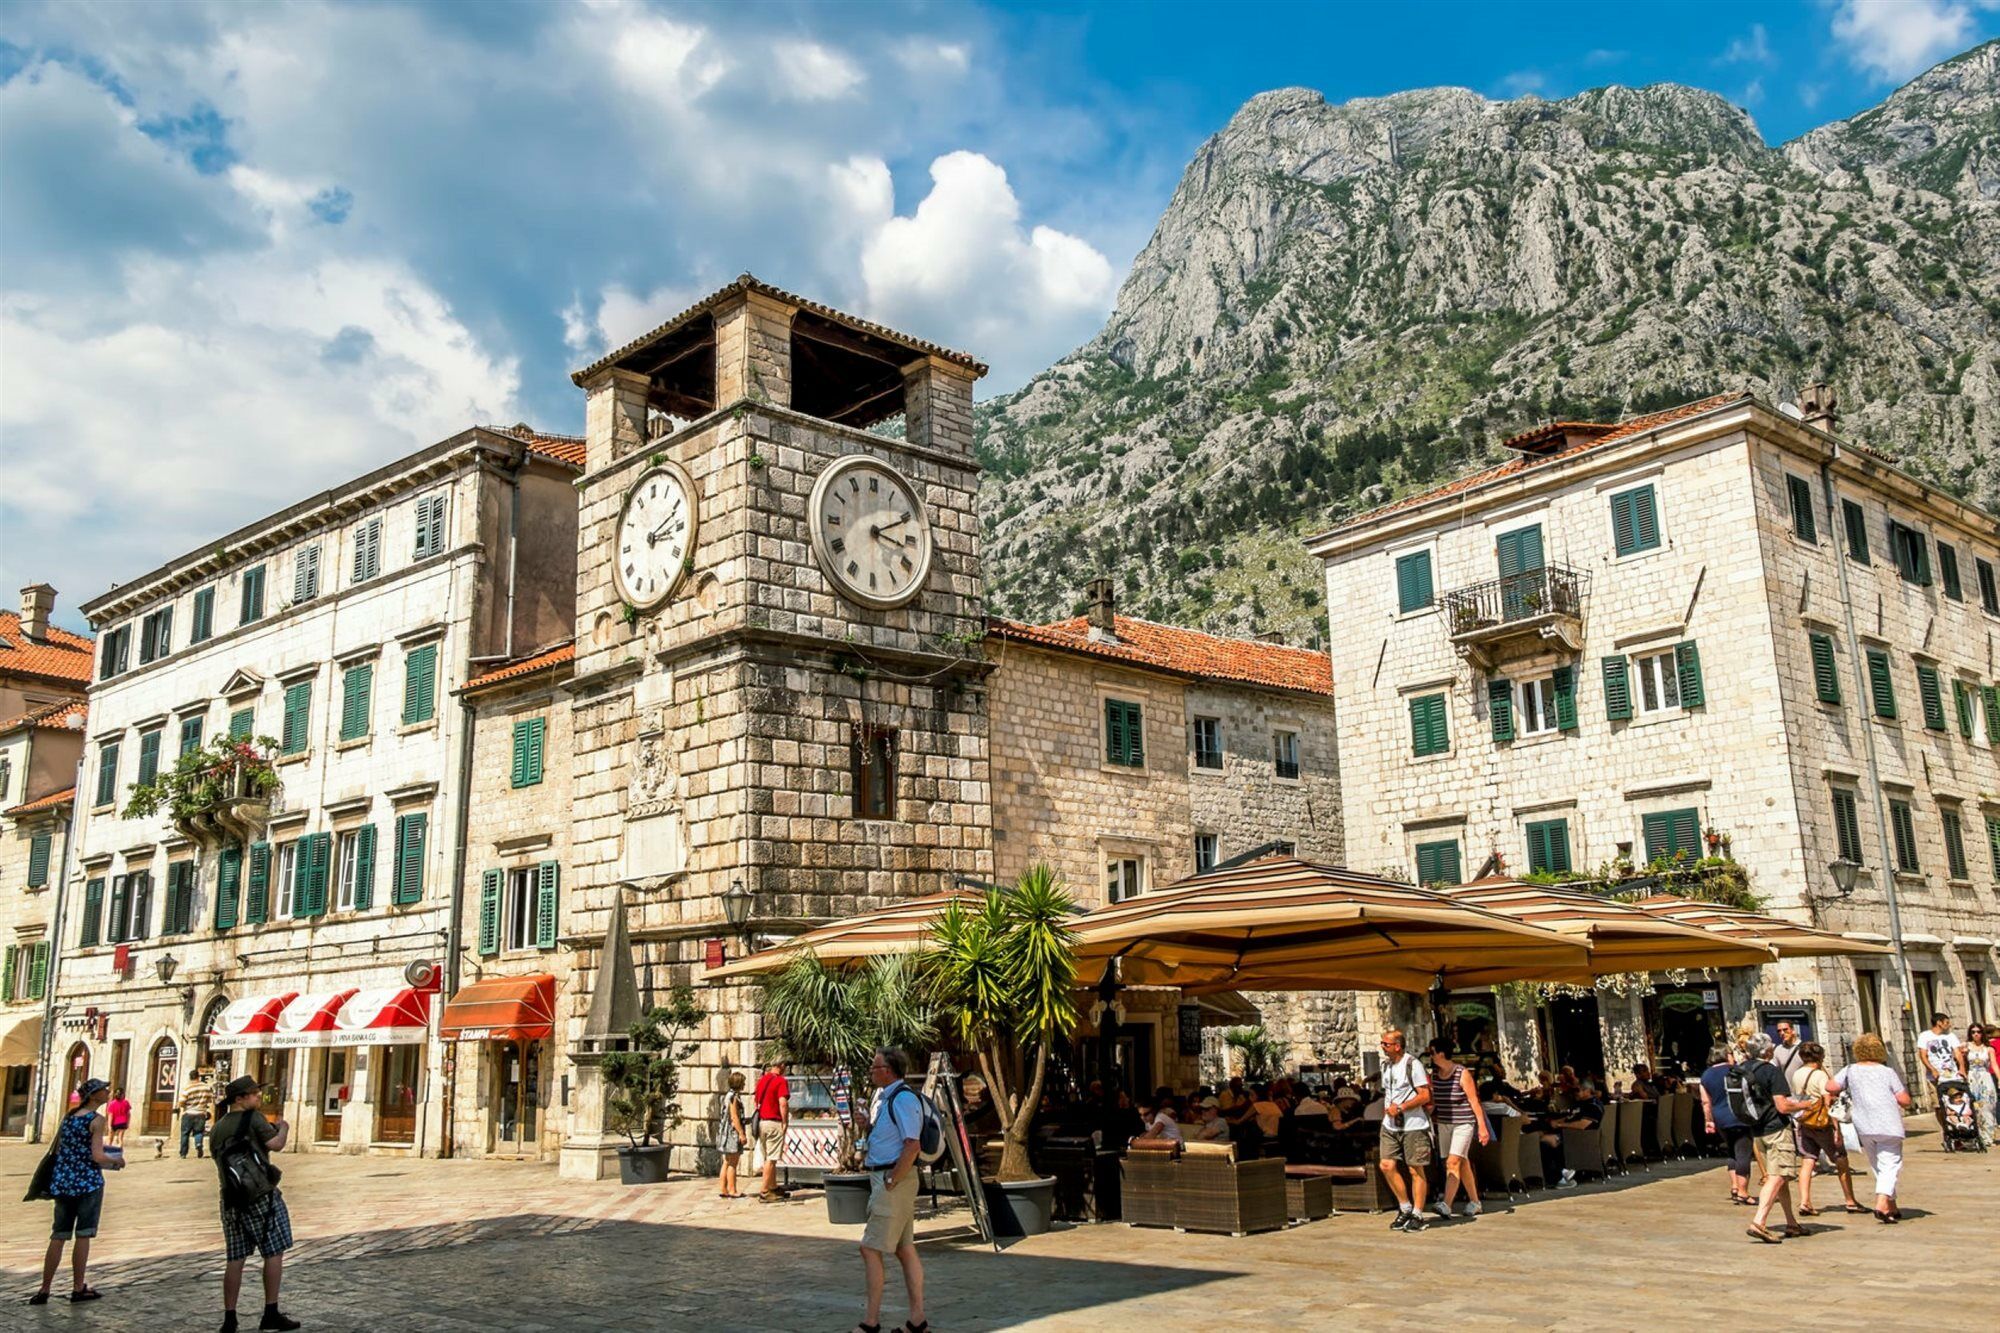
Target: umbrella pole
column 1107, row 1025
column 1437, row 1007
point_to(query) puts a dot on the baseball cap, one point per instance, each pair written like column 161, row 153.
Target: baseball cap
column 91, row 1087
column 1210, row 1101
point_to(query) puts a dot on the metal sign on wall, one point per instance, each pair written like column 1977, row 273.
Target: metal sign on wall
column 1190, row 1025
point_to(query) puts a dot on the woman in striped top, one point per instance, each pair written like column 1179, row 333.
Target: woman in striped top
column 1459, row 1116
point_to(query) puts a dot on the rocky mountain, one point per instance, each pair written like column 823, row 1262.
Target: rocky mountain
column 1344, row 303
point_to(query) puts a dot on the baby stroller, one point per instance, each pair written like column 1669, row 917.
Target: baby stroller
column 1961, row 1122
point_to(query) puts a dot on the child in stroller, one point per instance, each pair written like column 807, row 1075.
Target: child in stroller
column 1961, row 1122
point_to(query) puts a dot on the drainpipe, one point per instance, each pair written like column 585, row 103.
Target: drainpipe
column 461, row 822
column 1854, row 656
column 41, row 1096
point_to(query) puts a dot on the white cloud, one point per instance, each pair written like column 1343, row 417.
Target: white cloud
column 809, row 72
column 1524, row 82
column 1753, row 48
column 622, row 316
column 922, row 56
column 1752, row 94
column 1894, row 40
column 657, row 58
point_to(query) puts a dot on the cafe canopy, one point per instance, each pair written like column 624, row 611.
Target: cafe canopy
column 904, row 927
column 1622, row 938
column 1788, row 939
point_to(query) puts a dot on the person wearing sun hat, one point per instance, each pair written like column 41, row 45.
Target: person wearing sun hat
column 76, row 1165
column 260, row 1226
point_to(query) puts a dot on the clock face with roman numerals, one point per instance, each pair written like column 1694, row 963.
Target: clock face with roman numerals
column 870, row 532
column 655, row 536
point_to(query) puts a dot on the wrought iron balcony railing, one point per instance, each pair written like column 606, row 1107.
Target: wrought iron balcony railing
column 1544, row 603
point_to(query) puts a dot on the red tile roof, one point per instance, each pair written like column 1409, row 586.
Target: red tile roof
column 53, row 800
column 562, row 448
column 1185, row 652
column 1597, row 435
column 62, row 715
column 548, row 658
column 59, row 655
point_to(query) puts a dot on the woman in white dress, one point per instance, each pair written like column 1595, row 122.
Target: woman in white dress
column 1977, row 1060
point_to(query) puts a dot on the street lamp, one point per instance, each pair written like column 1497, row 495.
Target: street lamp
column 736, row 903
column 1844, row 873
column 165, row 967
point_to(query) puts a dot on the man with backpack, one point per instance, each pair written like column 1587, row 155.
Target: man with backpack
column 1760, row 1098
column 902, row 1127
column 254, row 1219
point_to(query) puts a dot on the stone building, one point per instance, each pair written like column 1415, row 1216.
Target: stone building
column 43, row 674
column 302, row 934
column 1718, row 631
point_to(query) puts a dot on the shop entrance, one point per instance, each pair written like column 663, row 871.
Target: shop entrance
column 1576, row 1034
column 516, row 1128
column 1683, row 1024
column 163, row 1077
column 273, row 1071
column 333, row 1084
column 14, row 1100
column 76, row 1068
column 1471, row 1026
column 397, row 1069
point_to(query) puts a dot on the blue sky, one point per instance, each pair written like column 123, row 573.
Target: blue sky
column 247, row 251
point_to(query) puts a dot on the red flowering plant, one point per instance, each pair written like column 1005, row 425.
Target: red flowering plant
column 226, row 769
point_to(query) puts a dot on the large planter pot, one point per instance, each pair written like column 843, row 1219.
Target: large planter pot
column 643, row 1166
column 847, row 1198
column 1020, row 1207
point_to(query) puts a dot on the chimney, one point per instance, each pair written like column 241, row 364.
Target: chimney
column 1816, row 404
column 38, row 600
column 1102, row 606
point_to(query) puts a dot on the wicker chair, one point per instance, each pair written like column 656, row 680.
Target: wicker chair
column 1215, row 1192
column 1499, row 1163
column 1146, row 1182
column 1631, row 1132
column 1682, row 1132
column 1607, row 1139
column 1584, row 1151
column 1528, row 1161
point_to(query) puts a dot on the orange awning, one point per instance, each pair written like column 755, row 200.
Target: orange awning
column 503, row 1009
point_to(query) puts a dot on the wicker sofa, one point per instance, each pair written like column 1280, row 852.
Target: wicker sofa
column 1213, row 1191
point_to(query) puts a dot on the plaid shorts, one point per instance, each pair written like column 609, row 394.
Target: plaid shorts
column 263, row 1228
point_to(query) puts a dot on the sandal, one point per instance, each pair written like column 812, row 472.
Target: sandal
column 1740, row 1198
column 85, row 1294
column 1857, row 1209
column 1794, row 1230
column 1808, row 1211
column 867, row 1328
column 1764, row 1234
column 917, row 1326
column 39, row 1298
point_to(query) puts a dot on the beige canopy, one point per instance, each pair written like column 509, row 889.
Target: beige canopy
column 904, row 927
column 1287, row 924
column 1789, row 939
column 1621, row 937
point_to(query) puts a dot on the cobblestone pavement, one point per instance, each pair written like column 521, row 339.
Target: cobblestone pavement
column 433, row 1247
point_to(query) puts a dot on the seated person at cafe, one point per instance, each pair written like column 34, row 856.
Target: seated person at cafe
column 1158, row 1113
column 1233, row 1096
column 1588, row 1113
column 1641, row 1088
column 1311, row 1112
column 1212, row 1128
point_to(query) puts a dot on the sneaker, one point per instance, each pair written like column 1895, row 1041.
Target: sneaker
column 1568, row 1181
column 277, row 1320
column 1416, row 1224
column 1402, row 1219
column 1442, row 1209
column 1472, row 1208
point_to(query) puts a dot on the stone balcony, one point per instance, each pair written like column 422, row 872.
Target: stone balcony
column 1517, row 615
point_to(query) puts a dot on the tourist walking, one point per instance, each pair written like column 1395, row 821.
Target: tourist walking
column 895, row 1135
column 1460, row 1117
column 118, row 1114
column 774, row 1116
column 1878, row 1098
column 1820, row 1145
column 196, row 1104
column 76, row 1164
column 1760, row 1098
column 1785, row 1053
column 730, row 1134
column 1721, row 1122
column 254, row 1217
column 1977, row 1059
column 1405, row 1142
column 1937, row 1051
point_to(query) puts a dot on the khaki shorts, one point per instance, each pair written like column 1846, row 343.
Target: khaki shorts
column 1411, row 1146
column 892, row 1213
column 771, row 1139
column 1781, row 1153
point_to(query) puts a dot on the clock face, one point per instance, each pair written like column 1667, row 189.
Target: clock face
column 870, row 532
column 655, row 534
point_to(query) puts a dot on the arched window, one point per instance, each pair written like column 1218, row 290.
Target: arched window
column 203, row 1056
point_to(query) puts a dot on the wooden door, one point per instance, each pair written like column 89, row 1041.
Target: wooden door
column 163, row 1076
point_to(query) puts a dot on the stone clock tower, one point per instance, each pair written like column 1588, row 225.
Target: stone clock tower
column 778, row 675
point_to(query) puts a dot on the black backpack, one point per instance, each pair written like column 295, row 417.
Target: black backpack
column 248, row 1174
column 1741, row 1090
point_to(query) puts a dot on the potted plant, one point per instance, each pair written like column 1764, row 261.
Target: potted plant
column 1260, row 1050
column 643, row 1082
column 217, row 793
column 1006, row 973
column 834, row 1018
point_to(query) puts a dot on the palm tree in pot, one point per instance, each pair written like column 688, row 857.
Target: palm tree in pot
column 642, row 1084
column 1006, row 973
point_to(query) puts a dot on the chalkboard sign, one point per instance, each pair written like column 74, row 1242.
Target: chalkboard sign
column 1190, row 1029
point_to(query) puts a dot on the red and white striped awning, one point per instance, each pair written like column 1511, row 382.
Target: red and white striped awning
column 308, row 1019
column 249, row 1024
column 387, row 1016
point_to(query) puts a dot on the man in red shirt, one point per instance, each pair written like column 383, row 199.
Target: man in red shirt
column 774, row 1114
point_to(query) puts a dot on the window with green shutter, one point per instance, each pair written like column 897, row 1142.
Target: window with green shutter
column 364, row 867
column 411, row 831
column 202, row 616
column 1847, row 825
column 1500, row 708
column 490, row 882
column 1672, row 833
column 191, row 732
column 305, row 574
column 1954, row 842
column 90, row 928
column 1687, row 664
column 528, row 741
column 1548, row 847
column 1124, row 734
column 1617, row 689
column 1932, row 695
column 179, row 916
column 241, row 723
column 1429, row 731
column 7, row 973
column 315, row 861
column 1990, row 696
column 1564, row 680
column 107, row 773
column 367, row 550
column 149, row 755
column 1962, row 703
column 1413, row 582
column 38, row 970
column 38, row 860
column 1437, row 863
column 297, row 732
column 1635, row 520
column 1803, row 526
column 1993, row 842
column 547, row 876
column 1912, row 553
column 1989, row 586
column 420, row 684
column 1826, row 673
column 1948, row 572
column 1903, row 825
column 357, row 691
column 1881, row 685
column 1857, row 531
column 257, row 890
column 430, row 525
column 228, row 887
column 252, row 608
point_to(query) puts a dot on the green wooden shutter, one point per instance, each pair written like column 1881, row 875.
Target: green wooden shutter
column 1437, row 863
column 364, row 867
column 1990, row 695
column 1114, row 732
column 1624, row 525
column 1685, row 829
column 93, row 913
column 119, row 914
column 420, row 684
column 1802, row 509
column 301, row 877
column 142, row 906
column 1993, row 842
column 7, row 975
column 1961, row 700
column 107, row 774
column 191, row 729
column 1948, row 572
column 1500, row 705
column 1135, row 734
column 1519, row 551
column 1429, row 731
column 1826, row 675
column 149, row 756
column 1548, row 847
column 1687, row 662
column 1881, row 685
column 1847, row 825
column 1653, row 828
column 257, row 898
column 228, row 886
column 298, row 717
column 1932, row 695
column 241, row 723
column 314, row 859
column 1617, row 689
column 1954, row 842
column 356, row 693
column 38, row 860
column 489, row 912
column 410, row 831
column 547, row 875
column 528, row 751
column 1857, row 531
column 1903, row 825
column 38, row 971
column 1564, row 680
column 1413, row 581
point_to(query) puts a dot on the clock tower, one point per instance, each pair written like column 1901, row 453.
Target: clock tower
column 779, row 681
